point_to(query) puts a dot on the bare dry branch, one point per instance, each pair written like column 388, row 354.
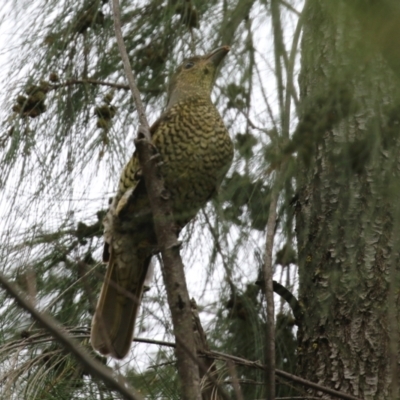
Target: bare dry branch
column 173, row 270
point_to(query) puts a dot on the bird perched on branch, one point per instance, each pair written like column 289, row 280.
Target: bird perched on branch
column 196, row 153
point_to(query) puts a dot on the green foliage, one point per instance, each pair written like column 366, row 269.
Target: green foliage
column 159, row 380
column 244, row 194
column 67, row 130
column 244, row 324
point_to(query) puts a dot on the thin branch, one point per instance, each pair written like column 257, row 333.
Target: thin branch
column 269, row 295
column 290, row 89
column 293, row 303
column 230, row 25
column 243, row 381
column 95, row 369
column 128, row 71
column 283, row 374
column 172, row 266
column 279, row 51
column 222, row 356
column 156, row 342
column 265, row 97
column 256, row 364
column 235, row 380
column 299, row 398
column 71, row 82
column 290, row 7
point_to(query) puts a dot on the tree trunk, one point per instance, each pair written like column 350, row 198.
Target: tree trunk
column 347, row 210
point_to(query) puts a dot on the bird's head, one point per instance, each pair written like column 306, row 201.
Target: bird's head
column 196, row 76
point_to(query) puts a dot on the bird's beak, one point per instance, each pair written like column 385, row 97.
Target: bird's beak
column 217, row 55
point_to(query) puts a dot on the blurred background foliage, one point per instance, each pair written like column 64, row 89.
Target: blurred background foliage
column 68, row 123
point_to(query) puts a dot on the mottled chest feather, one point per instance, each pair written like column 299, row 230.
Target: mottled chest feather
column 196, row 150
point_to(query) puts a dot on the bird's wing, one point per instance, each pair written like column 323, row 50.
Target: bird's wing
column 129, row 241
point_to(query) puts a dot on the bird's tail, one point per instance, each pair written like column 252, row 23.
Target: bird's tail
column 118, row 305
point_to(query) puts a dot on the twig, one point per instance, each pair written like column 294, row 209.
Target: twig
column 172, row 266
column 211, row 387
column 269, row 295
column 95, row 369
column 290, row 7
column 244, row 381
column 256, row 364
column 152, row 341
column 222, row 356
column 128, row 71
column 279, row 52
column 229, row 25
column 299, row 398
column 71, row 82
column 283, row 374
column 235, row 380
column 293, row 303
column 290, row 89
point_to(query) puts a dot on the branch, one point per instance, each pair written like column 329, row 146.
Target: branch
column 256, row 364
column 71, row 82
column 207, row 370
column 95, row 369
column 299, row 398
column 269, row 295
column 212, row 388
column 229, row 25
column 293, row 303
column 288, row 296
column 144, row 125
column 172, row 266
column 83, row 333
column 283, row 374
column 279, row 51
column 290, row 7
column 290, row 91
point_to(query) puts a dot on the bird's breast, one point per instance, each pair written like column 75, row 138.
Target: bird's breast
column 196, row 150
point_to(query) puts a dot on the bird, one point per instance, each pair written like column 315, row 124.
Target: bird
column 196, row 152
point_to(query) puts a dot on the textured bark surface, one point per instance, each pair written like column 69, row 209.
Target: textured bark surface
column 347, row 213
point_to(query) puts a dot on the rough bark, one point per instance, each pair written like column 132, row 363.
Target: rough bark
column 347, row 212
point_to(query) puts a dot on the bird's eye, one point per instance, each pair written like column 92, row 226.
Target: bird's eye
column 188, row 65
